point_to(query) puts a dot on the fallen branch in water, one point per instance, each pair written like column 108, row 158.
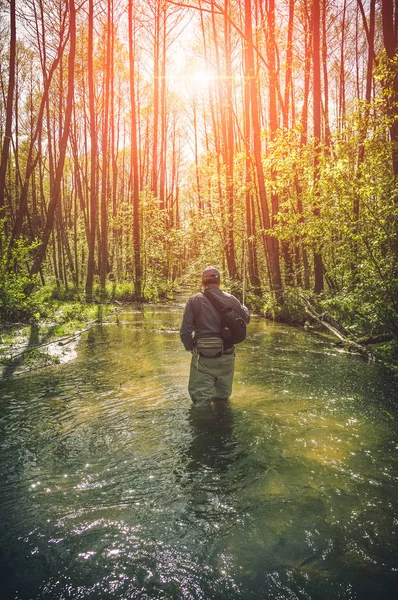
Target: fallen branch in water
column 350, row 345
column 378, row 338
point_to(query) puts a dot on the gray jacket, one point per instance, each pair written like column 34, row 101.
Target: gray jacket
column 202, row 319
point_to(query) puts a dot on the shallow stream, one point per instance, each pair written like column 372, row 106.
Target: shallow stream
column 113, row 487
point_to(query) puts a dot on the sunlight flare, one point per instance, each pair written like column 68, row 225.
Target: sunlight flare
column 202, row 78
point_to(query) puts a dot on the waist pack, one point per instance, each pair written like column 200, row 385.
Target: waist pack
column 210, row 347
column 233, row 327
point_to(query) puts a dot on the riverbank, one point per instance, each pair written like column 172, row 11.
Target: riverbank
column 26, row 347
column 44, row 328
column 54, row 338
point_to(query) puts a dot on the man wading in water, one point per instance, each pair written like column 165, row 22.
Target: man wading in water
column 213, row 358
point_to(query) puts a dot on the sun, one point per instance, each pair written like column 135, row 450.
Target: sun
column 202, row 78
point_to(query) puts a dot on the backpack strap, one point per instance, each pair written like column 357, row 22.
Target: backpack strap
column 213, row 301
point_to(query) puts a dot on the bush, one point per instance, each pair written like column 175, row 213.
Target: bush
column 16, row 304
column 64, row 295
column 123, row 292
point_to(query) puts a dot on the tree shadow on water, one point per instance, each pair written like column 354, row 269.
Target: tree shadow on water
column 12, row 365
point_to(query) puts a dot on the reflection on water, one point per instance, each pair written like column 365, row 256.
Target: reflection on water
column 113, row 486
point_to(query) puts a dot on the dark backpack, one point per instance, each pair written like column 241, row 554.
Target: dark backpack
column 233, row 327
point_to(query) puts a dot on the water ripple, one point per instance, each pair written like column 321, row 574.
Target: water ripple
column 112, row 486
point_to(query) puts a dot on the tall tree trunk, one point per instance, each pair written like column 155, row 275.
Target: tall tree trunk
column 9, row 111
column 156, row 100
column 219, row 124
column 220, row 129
column 105, row 155
column 272, row 255
column 93, row 202
column 287, row 246
column 273, row 124
column 115, row 132
column 289, row 66
column 307, row 76
column 249, row 201
column 163, row 116
column 303, row 142
column 390, row 39
column 325, row 72
column 318, row 263
column 229, row 147
column 134, row 167
column 368, row 93
column 196, row 153
column 342, row 102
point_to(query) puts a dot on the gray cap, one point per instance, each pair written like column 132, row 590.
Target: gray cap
column 210, row 274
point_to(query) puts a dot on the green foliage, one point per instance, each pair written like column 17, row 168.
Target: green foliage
column 388, row 353
column 355, row 224
column 61, row 293
column 123, row 292
column 63, row 310
column 360, row 252
column 16, row 300
column 15, row 303
column 156, row 289
column 270, row 308
column 75, row 312
column 161, row 250
column 253, row 302
column 291, row 311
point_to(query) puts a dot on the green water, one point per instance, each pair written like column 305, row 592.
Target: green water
column 113, row 487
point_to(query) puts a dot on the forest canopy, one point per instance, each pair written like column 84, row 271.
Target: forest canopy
column 141, row 140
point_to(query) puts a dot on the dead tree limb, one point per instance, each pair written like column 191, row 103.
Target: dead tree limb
column 350, row 345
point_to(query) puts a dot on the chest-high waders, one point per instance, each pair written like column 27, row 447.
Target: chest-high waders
column 211, row 372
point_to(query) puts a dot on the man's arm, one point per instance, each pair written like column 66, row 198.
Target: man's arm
column 244, row 311
column 187, row 327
